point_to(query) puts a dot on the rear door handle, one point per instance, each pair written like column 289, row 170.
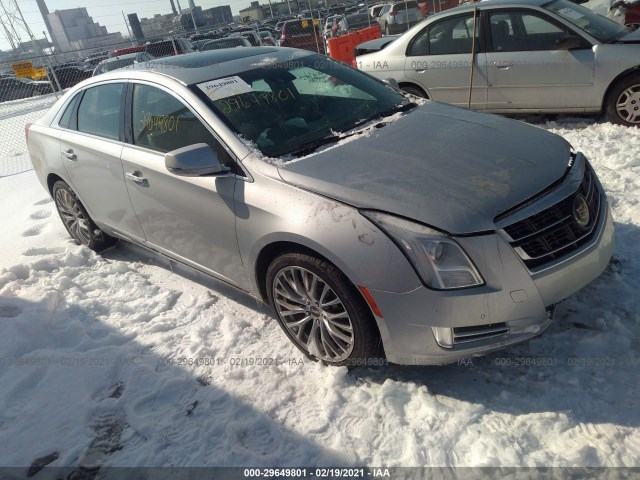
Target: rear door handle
column 69, row 154
column 504, row 64
column 136, row 177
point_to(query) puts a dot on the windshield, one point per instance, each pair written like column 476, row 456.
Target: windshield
column 288, row 107
column 599, row 27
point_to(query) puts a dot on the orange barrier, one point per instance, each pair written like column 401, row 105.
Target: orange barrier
column 342, row 48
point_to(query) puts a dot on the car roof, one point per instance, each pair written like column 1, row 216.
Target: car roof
column 199, row 67
column 499, row 3
column 122, row 57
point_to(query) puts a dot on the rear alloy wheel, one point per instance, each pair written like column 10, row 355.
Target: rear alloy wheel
column 623, row 102
column 76, row 219
column 321, row 311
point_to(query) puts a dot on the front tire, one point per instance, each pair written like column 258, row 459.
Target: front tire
column 321, row 312
column 76, row 219
column 623, row 102
column 415, row 91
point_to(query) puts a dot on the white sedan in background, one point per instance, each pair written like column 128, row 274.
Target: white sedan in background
column 533, row 56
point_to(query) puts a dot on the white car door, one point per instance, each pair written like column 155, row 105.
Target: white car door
column 531, row 68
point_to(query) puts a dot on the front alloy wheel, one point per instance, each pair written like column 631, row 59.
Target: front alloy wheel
column 623, row 102
column 313, row 314
column 321, row 311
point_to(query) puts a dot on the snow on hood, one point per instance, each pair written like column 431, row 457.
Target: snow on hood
column 446, row 167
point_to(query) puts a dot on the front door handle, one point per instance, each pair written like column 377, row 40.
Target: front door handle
column 69, row 154
column 503, row 64
column 136, row 177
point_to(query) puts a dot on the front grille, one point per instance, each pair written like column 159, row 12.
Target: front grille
column 555, row 232
column 478, row 332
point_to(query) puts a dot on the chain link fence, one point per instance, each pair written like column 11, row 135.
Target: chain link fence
column 30, row 83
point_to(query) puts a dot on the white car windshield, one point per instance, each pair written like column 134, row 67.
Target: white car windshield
column 599, row 27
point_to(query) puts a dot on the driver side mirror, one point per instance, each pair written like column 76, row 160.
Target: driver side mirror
column 193, row 161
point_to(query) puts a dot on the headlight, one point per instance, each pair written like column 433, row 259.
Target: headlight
column 437, row 259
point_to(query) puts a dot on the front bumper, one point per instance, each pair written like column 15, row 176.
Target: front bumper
column 513, row 300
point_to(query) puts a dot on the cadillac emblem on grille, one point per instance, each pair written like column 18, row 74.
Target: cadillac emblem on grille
column 581, row 211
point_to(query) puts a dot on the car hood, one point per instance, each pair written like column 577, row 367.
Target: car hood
column 446, row 167
column 633, row 37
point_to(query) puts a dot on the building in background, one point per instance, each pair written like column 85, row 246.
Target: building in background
column 254, row 12
column 218, row 15
column 74, row 29
column 158, row 26
column 136, row 28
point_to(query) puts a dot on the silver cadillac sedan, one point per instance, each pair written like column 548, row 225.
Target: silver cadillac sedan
column 374, row 226
column 517, row 56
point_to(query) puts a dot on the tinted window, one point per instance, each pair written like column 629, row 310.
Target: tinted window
column 521, row 31
column 163, row 123
column 65, row 120
column 448, row 37
column 99, row 111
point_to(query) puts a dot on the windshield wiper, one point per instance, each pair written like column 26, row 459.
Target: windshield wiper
column 310, row 147
column 404, row 107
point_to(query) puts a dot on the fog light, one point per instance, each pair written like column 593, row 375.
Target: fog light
column 444, row 336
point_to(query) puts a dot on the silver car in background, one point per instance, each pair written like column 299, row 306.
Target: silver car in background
column 397, row 17
column 121, row 61
column 532, row 56
column 361, row 217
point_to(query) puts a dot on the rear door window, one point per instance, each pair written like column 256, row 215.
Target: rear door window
column 100, row 111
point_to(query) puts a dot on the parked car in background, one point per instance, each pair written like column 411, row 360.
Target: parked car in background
column 122, row 62
column 370, row 248
column 533, row 56
column 331, row 25
column 354, row 22
column 252, row 37
column 399, row 17
column 197, row 44
column 68, row 75
column 227, row 42
column 267, row 38
column 302, row 33
column 91, row 63
column 124, row 51
column 165, row 48
column 13, row 88
column 374, row 11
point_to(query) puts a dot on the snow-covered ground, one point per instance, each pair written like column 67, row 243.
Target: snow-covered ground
column 96, row 353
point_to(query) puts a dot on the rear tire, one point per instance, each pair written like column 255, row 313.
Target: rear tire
column 76, row 219
column 622, row 105
column 322, row 312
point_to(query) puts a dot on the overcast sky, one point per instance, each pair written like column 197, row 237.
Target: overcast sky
column 108, row 13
